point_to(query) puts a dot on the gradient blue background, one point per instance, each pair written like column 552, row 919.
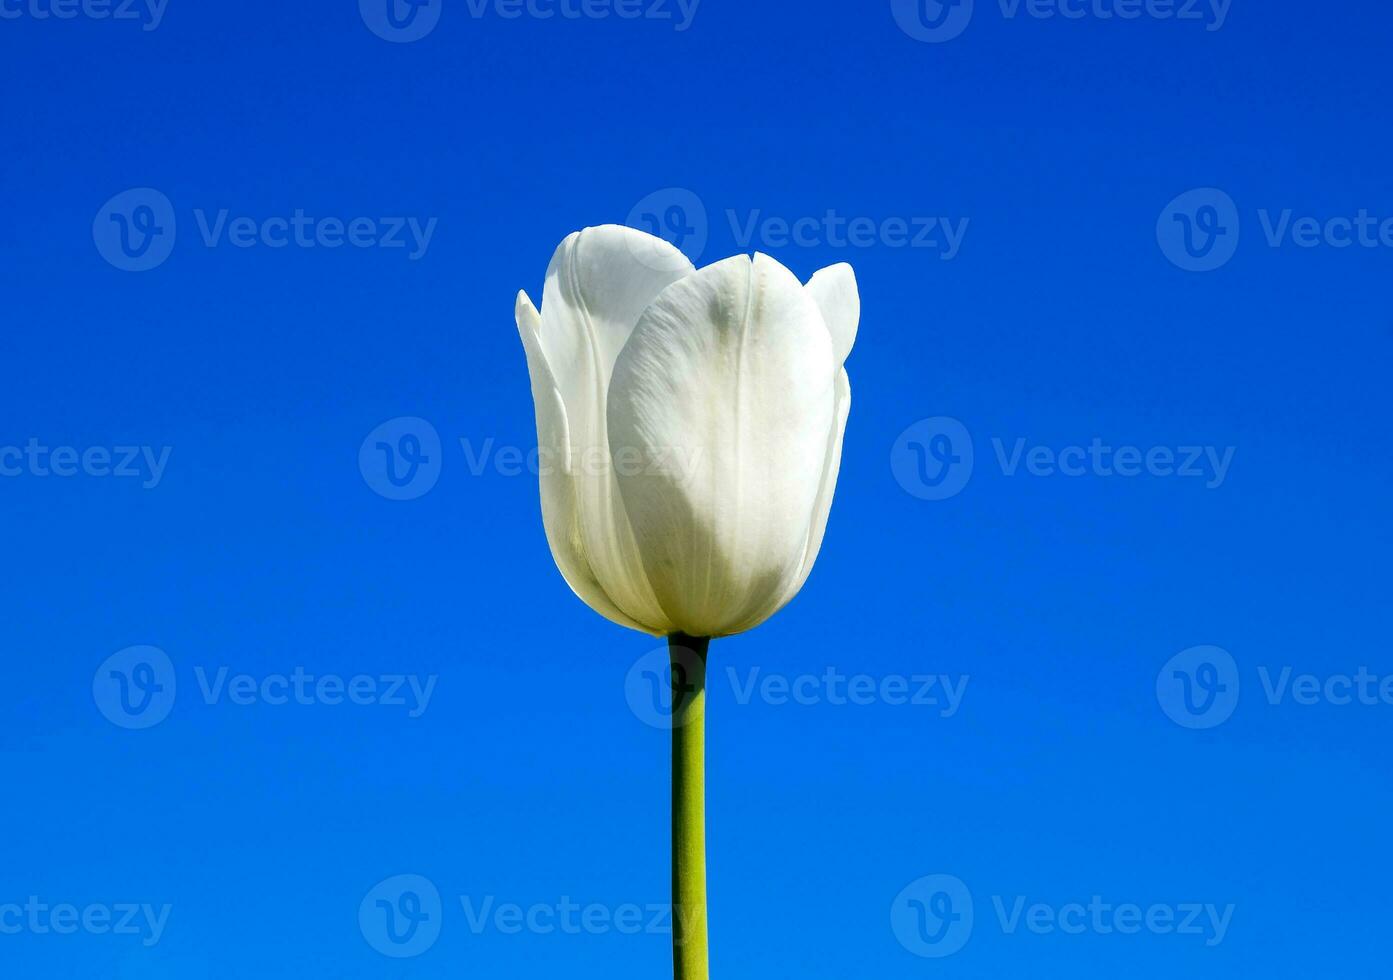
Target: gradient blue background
column 528, row 779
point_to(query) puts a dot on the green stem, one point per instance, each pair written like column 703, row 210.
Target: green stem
column 689, row 948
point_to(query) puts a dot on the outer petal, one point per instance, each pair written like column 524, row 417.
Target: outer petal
column 599, row 283
column 828, row 488
column 725, row 395
column 834, row 291
column 560, row 516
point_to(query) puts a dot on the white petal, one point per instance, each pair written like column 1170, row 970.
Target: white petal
column 559, row 512
column 834, row 291
column 599, row 282
column 828, row 488
column 725, row 392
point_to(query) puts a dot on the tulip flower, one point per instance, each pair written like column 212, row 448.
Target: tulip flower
column 691, row 422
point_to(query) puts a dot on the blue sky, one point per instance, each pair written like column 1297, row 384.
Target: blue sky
column 1143, row 238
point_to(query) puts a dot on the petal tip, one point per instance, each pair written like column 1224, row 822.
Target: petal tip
column 526, row 313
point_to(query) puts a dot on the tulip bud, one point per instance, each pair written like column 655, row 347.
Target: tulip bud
column 696, row 421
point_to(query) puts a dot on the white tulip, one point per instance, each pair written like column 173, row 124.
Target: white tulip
column 692, row 422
